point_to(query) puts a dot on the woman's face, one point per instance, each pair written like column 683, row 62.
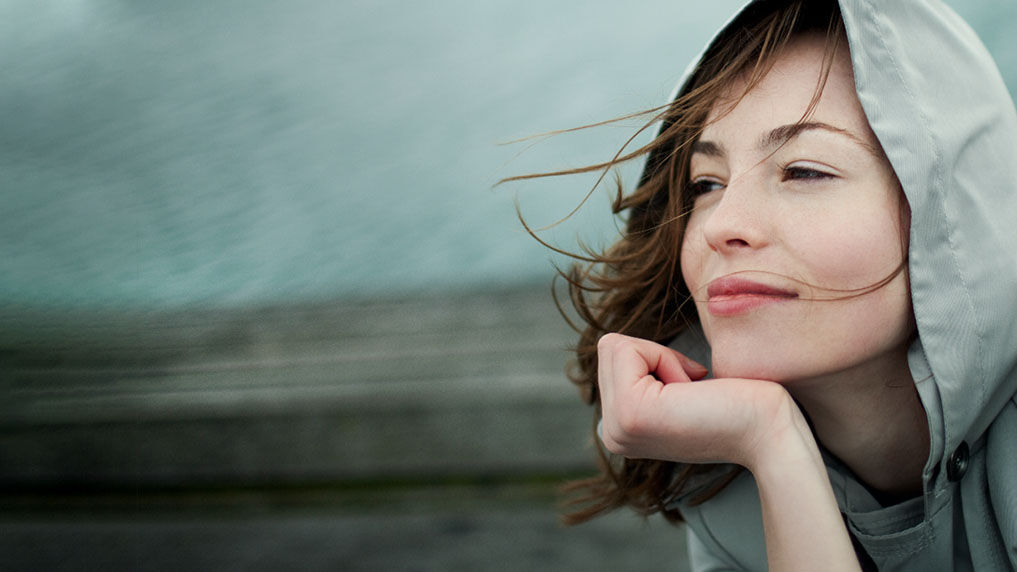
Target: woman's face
column 790, row 224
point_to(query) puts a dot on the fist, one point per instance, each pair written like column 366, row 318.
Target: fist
column 656, row 405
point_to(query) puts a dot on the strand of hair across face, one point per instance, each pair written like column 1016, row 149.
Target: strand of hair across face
column 847, row 293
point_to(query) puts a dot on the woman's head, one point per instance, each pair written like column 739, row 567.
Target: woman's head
column 794, row 218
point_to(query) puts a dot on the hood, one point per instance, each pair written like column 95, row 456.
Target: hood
column 949, row 128
column 937, row 103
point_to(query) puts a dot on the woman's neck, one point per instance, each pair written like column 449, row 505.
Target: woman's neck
column 872, row 419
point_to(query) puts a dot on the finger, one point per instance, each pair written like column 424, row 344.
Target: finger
column 666, row 364
column 624, row 359
column 607, row 377
column 694, row 369
column 621, row 369
column 673, row 367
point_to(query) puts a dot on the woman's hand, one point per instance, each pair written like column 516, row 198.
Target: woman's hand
column 652, row 408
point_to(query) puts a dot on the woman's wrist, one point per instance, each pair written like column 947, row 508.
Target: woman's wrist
column 801, row 519
column 786, row 441
column 780, row 434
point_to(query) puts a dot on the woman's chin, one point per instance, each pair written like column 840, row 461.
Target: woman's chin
column 744, row 369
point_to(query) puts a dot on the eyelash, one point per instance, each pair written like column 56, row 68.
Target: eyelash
column 702, row 186
column 803, row 174
column 788, row 173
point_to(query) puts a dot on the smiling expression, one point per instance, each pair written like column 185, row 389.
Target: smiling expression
column 793, row 223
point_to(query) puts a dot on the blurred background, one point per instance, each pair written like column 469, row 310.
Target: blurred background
column 261, row 304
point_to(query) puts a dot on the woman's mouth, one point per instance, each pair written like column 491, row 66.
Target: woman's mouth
column 732, row 295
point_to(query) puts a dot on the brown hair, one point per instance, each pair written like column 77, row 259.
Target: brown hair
column 635, row 287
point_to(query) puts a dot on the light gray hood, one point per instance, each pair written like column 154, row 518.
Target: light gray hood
column 947, row 123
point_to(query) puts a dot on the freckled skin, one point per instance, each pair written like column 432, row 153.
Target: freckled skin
column 819, row 215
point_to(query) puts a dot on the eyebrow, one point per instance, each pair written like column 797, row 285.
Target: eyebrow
column 708, row 148
column 785, row 133
column 781, row 135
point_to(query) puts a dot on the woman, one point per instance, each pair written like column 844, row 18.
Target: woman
column 825, row 220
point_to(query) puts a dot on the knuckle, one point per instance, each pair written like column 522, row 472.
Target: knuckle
column 625, row 430
column 608, row 341
column 613, row 443
column 631, row 426
column 610, row 443
column 618, row 345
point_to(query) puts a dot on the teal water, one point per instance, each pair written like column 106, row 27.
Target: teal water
column 246, row 152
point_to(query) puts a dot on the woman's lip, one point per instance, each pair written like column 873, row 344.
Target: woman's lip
column 735, row 286
column 732, row 295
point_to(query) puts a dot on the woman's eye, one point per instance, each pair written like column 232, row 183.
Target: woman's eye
column 703, row 186
column 804, row 173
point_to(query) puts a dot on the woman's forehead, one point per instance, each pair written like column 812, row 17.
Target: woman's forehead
column 786, row 91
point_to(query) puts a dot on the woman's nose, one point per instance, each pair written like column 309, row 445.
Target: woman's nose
column 737, row 220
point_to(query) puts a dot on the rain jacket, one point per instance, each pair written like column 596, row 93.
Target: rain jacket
column 938, row 105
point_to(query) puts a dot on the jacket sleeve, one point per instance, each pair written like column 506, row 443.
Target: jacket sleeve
column 704, row 558
column 726, row 532
column 1001, row 465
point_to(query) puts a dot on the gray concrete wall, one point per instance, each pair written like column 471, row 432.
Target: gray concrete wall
column 320, row 436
